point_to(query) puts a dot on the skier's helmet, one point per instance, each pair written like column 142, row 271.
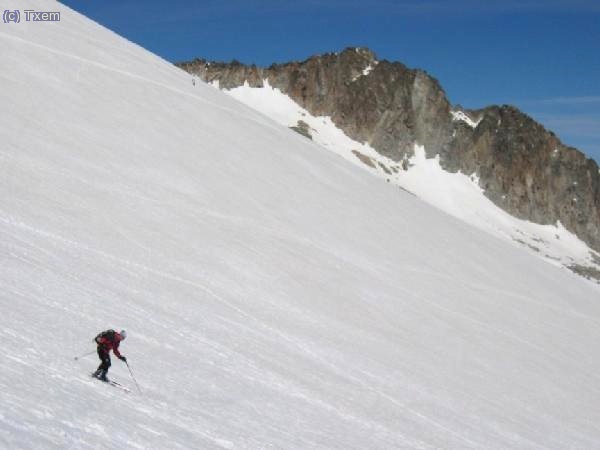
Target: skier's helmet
column 123, row 334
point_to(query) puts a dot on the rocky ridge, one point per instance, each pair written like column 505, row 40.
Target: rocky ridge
column 523, row 168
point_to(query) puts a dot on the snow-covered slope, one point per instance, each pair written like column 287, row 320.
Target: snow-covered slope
column 275, row 295
column 454, row 193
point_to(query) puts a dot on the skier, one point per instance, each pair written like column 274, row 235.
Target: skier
column 108, row 340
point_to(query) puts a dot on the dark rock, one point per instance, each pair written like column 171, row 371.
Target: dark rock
column 591, row 273
column 364, row 159
column 302, row 128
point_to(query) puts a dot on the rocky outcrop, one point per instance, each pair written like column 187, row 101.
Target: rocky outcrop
column 524, row 168
column 528, row 172
column 302, row 128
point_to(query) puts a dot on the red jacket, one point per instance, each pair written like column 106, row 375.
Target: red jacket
column 109, row 345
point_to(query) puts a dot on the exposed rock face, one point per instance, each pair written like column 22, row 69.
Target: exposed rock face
column 527, row 171
column 523, row 168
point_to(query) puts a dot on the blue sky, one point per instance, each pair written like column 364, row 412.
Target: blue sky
column 542, row 56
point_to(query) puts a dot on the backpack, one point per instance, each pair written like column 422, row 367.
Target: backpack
column 108, row 335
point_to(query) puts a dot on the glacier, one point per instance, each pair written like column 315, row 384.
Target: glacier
column 457, row 194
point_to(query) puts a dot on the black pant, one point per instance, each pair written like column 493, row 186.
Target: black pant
column 105, row 358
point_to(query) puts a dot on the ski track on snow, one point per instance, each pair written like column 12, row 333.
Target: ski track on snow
column 243, row 313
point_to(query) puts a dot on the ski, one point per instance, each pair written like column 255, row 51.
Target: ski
column 112, row 383
column 118, row 385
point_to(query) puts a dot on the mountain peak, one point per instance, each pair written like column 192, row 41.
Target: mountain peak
column 363, row 52
column 392, row 108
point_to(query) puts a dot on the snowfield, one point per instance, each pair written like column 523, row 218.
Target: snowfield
column 275, row 295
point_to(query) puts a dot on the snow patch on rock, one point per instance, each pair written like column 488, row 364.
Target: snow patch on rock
column 463, row 117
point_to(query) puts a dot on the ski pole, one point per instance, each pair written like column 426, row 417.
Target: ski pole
column 84, row 355
column 133, row 378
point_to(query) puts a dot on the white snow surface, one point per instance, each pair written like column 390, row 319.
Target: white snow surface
column 454, row 193
column 275, row 295
column 463, row 117
column 366, row 71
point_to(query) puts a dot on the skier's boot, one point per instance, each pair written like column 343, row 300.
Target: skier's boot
column 97, row 373
column 102, row 375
